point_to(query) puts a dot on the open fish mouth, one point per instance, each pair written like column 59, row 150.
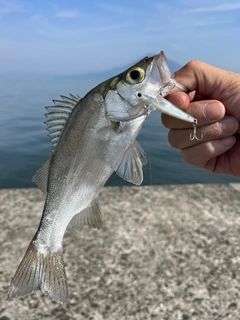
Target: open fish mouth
column 169, row 83
column 160, row 84
column 154, row 99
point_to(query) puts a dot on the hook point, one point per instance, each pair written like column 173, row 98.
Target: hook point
column 194, row 134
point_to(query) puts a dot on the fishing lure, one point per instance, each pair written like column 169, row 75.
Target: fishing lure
column 165, row 106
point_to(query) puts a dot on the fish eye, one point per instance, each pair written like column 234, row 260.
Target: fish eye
column 135, row 75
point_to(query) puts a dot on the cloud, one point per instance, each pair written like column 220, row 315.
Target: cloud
column 67, row 14
column 191, row 23
column 101, row 34
column 116, row 9
column 217, row 8
column 7, row 7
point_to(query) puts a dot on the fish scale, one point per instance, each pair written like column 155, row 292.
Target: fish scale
column 92, row 137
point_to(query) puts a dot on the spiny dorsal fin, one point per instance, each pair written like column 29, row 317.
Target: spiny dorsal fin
column 58, row 114
column 130, row 169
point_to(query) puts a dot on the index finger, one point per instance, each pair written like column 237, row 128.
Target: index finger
column 208, row 81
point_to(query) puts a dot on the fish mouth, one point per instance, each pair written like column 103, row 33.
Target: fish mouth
column 160, row 62
column 160, row 81
column 160, row 84
column 169, row 84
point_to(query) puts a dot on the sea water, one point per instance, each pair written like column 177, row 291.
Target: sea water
column 24, row 144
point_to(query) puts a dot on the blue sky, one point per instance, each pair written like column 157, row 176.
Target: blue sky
column 66, row 37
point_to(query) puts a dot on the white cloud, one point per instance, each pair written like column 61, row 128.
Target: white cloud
column 116, row 9
column 67, row 14
column 90, row 38
column 7, row 7
column 217, row 8
column 173, row 16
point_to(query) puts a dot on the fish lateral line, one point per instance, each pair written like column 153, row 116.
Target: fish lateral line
column 91, row 138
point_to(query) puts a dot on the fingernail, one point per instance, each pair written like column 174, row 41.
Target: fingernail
column 209, row 110
column 228, row 125
column 228, row 142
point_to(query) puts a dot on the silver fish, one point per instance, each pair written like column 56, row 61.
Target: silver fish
column 92, row 137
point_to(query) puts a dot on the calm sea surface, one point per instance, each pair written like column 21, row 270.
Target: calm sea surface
column 24, row 144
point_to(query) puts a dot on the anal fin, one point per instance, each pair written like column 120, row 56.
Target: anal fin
column 90, row 216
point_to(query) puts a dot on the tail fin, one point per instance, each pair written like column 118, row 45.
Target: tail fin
column 43, row 272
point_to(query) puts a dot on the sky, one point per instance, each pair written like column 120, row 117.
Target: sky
column 76, row 37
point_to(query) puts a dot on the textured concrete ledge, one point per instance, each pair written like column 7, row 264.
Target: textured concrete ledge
column 165, row 252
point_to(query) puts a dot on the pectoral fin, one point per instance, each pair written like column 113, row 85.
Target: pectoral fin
column 141, row 153
column 91, row 216
column 109, row 132
column 130, row 169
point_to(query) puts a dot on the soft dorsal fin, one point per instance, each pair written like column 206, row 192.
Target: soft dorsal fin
column 58, row 114
column 130, row 169
column 91, row 216
column 41, row 176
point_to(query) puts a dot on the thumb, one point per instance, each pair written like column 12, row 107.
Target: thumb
column 209, row 82
column 202, row 78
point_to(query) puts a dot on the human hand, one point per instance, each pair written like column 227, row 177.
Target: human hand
column 214, row 100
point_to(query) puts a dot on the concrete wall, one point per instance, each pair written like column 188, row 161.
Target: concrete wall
column 165, row 252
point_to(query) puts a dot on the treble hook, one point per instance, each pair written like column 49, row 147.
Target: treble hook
column 194, row 134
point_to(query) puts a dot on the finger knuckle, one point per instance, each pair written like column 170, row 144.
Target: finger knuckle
column 215, row 130
column 194, row 64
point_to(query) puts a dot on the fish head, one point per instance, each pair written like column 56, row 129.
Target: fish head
column 150, row 77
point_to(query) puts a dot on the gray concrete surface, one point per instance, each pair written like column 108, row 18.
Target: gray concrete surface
column 165, row 252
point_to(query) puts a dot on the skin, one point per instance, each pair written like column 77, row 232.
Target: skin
column 99, row 137
column 214, row 99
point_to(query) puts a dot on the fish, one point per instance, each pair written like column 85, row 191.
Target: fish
column 91, row 137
